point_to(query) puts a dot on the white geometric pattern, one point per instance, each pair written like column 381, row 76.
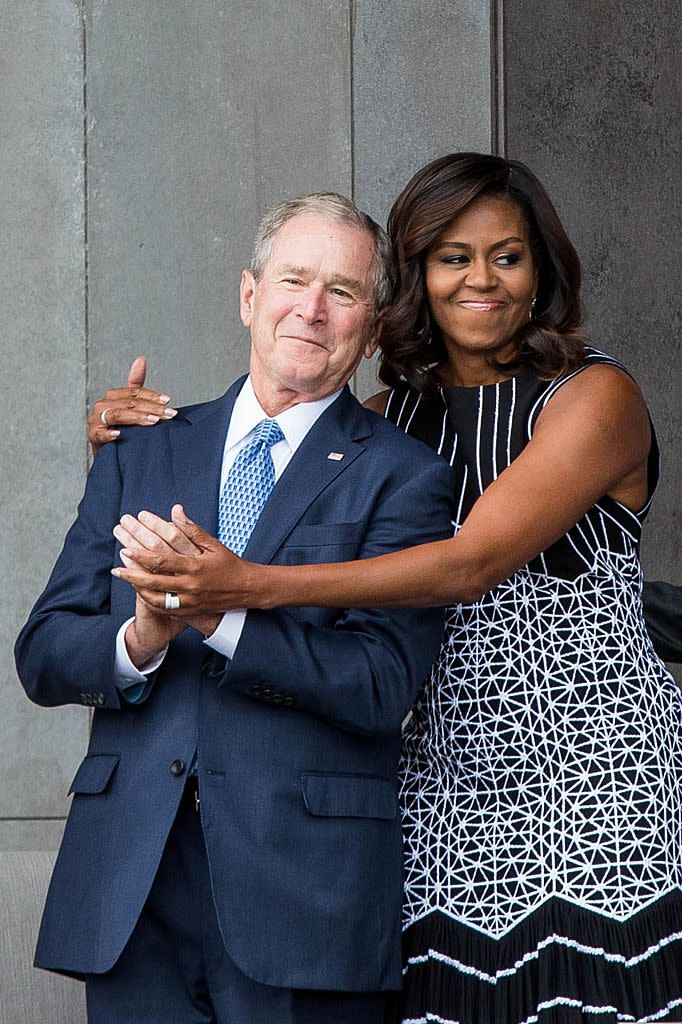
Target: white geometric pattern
column 544, row 756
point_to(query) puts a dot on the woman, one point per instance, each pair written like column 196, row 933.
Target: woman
column 542, row 766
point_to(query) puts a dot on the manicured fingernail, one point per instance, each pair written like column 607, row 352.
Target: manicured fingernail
column 168, row 413
column 114, row 433
column 163, row 398
column 143, row 517
column 153, row 419
column 126, row 552
column 116, row 572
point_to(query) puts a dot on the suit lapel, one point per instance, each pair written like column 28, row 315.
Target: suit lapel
column 197, row 445
column 340, row 429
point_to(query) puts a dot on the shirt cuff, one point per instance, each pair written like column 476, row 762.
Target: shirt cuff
column 228, row 631
column 130, row 680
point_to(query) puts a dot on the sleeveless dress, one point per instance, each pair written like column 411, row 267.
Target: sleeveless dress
column 542, row 765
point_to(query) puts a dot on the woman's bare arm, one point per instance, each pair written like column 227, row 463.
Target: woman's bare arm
column 592, row 439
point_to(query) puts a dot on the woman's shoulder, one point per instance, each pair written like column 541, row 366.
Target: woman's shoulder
column 377, row 403
column 599, row 376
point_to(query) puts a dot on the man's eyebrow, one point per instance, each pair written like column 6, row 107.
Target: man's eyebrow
column 336, row 279
column 452, row 244
column 291, row 268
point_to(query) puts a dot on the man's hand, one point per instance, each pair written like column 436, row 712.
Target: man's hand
column 150, row 541
column 132, row 405
column 149, row 633
column 181, row 559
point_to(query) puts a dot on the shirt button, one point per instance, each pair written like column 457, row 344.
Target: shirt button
column 177, row 767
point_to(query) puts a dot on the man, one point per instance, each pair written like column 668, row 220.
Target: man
column 233, row 848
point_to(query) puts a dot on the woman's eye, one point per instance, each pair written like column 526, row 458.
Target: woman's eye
column 508, row 259
column 457, row 261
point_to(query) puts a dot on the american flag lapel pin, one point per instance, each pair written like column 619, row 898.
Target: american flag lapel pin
column 335, row 456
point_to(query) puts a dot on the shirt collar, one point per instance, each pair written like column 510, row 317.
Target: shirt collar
column 294, row 422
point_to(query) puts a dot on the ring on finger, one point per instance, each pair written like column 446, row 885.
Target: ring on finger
column 103, row 416
column 171, row 602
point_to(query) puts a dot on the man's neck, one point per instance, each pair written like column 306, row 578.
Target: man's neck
column 274, row 399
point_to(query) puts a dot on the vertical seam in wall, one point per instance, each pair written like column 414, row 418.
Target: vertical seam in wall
column 498, row 83
column 351, row 56
column 353, row 382
column 86, row 253
column 86, row 263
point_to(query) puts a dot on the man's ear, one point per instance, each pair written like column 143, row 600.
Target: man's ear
column 375, row 335
column 371, row 346
column 247, row 291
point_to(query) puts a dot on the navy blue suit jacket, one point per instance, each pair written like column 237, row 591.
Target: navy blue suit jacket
column 297, row 737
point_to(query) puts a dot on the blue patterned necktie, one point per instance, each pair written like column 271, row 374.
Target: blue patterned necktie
column 247, row 487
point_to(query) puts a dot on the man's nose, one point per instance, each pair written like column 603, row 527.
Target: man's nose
column 480, row 274
column 313, row 305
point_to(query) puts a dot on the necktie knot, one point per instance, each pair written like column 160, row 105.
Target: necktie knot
column 267, row 433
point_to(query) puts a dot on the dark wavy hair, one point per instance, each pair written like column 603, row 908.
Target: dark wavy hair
column 411, row 344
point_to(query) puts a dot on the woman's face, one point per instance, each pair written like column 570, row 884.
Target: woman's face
column 481, row 279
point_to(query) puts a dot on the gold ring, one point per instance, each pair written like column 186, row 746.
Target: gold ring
column 103, row 417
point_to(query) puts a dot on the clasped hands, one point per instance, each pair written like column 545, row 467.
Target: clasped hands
column 179, row 557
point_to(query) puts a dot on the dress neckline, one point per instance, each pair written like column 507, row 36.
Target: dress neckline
column 457, row 388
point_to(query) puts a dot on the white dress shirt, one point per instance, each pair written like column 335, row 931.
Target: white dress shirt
column 294, row 423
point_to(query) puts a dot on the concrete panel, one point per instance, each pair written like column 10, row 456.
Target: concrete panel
column 593, row 106
column 30, row 834
column 201, row 116
column 30, row 996
column 422, row 87
column 43, row 457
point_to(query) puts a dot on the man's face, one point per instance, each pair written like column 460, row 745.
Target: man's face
column 311, row 312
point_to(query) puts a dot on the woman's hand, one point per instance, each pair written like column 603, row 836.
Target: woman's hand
column 178, row 557
column 132, row 405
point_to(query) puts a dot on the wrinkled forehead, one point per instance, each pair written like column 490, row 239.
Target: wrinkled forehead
column 312, row 239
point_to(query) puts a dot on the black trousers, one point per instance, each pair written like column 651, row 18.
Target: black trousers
column 175, row 969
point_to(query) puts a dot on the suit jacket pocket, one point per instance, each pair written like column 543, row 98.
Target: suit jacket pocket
column 95, row 773
column 335, row 795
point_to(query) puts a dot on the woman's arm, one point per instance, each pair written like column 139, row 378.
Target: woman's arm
column 592, row 439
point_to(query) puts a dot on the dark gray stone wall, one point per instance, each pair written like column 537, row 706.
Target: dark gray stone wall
column 593, row 106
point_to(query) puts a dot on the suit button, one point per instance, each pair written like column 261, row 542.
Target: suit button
column 177, row 767
column 99, row 699
column 266, row 692
column 277, row 698
column 287, row 700
column 256, row 691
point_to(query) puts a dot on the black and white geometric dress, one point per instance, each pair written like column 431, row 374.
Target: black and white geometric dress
column 542, row 766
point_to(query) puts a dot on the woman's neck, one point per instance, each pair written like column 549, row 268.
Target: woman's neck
column 469, row 372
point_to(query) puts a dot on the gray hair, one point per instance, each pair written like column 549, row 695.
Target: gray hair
column 335, row 207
